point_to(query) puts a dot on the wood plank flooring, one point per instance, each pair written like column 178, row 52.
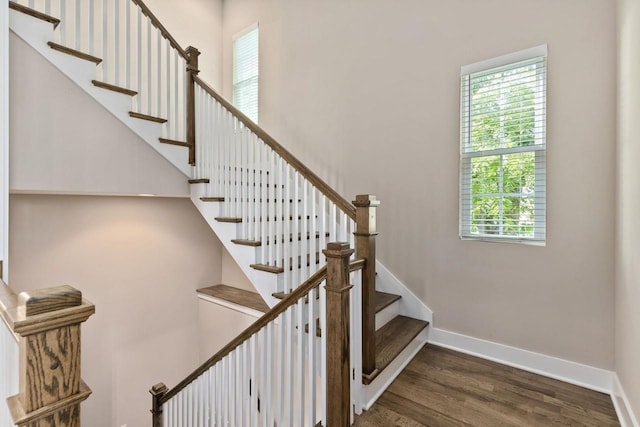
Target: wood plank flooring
column 445, row 388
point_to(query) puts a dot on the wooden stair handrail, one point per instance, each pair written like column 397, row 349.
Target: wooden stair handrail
column 314, row 179
column 165, row 33
column 300, row 292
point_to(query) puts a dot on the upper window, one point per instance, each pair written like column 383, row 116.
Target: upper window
column 503, row 148
column 245, row 73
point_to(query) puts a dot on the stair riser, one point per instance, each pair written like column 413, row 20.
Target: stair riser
column 387, row 314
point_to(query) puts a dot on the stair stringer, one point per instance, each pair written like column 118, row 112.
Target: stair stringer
column 37, row 33
column 265, row 283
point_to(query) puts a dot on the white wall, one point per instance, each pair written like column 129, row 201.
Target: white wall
column 628, row 242
column 195, row 23
column 4, row 137
column 366, row 93
column 62, row 140
column 140, row 261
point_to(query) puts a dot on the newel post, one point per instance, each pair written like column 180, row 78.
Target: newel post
column 192, row 71
column 51, row 390
column 157, row 392
column 365, row 234
column 338, row 389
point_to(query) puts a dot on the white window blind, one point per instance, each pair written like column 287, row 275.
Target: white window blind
column 245, row 73
column 503, row 148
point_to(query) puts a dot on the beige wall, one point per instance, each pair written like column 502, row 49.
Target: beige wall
column 628, row 243
column 195, row 23
column 139, row 260
column 75, row 146
column 367, row 94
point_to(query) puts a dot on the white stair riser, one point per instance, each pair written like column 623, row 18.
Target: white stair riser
column 387, row 314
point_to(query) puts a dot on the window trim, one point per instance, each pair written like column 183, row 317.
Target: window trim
column 464, row 220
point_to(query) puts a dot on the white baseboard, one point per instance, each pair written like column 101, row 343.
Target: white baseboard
column 623, row 407
column 564, row 370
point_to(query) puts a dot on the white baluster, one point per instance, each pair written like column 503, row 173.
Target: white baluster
column 63, row 22
column 167, row 91
column 78, row 32
column 296, row 238
column 323, row 352
column 127, row 57
column 91, row 19
column 159, row 73
column 140, row 95
column 300, row 359
column 270, row 391
column 148, row 71
column 311, row 359
column 116, row 42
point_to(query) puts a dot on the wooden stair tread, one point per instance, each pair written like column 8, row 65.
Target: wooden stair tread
column 174, row 142
column 259, row 243
column 199, row 181
column 228, row 219
column 268, row 268
column 147, row 117
column 114, row 88
column 392, row 338
column 237, row 296
column 275, row 269
column 244, row 242
column 384, row 300
column 73, row 52
column 34, row 13
column 212, row 199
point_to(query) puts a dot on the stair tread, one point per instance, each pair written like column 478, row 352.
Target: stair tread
column 174, row 142
column 384, row 300
column 228, row 219
column 74, row 52
column 142, row 116
column 393, row 337
column 237, row 296
column 212, row 199
column 248, row 242
column 275, row 269
column 199, row 181
column 245, row 242
column 34, row 13
column 114, row 88
column 268, row 268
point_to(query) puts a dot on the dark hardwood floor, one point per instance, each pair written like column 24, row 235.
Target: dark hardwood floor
column 441, row 387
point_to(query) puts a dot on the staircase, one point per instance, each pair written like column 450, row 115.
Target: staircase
column 274, row 216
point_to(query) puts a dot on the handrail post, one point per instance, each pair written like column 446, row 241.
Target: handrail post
column 51, row 390
column 192, row 71
column 365, row 234
column 338, row 385
column 157, row 392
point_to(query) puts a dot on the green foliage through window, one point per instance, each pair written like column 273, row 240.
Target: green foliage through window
column 503, row 143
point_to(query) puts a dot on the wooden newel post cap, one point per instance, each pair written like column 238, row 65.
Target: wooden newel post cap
column 366, row 201
column 157, row 391
column 338, row 250
column 50, row 299
column 192, row 64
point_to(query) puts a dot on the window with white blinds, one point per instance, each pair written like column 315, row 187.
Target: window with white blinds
column 503, row 148
column 245, row 73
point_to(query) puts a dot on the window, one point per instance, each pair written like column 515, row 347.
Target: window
column 503, row 148
column 245, row 72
